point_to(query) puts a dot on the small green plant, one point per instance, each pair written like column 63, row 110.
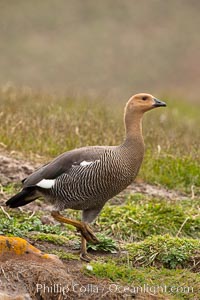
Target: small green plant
column 106, row 244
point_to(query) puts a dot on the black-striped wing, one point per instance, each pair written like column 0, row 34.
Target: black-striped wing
column 64, row 162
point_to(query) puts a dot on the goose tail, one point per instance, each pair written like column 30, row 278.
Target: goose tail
column 22, row 198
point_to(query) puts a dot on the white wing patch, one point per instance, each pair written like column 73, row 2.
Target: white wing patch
column 86, row 163
column 46, row 183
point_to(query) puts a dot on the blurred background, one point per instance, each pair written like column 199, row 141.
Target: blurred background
column 107, row 47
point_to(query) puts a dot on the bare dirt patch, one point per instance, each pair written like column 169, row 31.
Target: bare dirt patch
column 14, row 169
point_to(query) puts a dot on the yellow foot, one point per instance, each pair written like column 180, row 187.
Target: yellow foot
column 84, row 228
column 88, row 234
column 85, row 257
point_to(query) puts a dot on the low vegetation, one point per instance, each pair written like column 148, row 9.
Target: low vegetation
column 144, row 240
column 179, row 283
column 165, row 251
column 22, row 223
column 140, row 216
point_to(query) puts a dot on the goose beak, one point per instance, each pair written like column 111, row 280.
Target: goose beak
column 158, row 103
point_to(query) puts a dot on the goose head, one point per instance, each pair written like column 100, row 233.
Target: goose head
column 141, row 103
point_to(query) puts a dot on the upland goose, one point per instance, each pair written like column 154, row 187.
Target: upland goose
column 86, row 178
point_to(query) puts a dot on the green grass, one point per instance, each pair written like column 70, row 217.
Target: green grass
column 135, row 229
column 161, row 265
column 181, row 173
column 49, row 125
column 180, row 284
column 140, row 216
column 51, row 238
column 165, row 251
column 20, row 224
column 137, row 218
column 64, row 255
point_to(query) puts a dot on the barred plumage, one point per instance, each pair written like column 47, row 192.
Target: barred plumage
column 86, row 178
column 92, row 185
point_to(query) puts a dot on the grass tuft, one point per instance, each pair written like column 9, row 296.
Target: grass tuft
column 64, row 255
column 165, row 251
column 180, row 173
column 141, row 216
column 51, row 238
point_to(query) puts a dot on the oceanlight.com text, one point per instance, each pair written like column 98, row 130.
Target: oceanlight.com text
column 112, row 288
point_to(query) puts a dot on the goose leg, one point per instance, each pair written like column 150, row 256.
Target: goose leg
column 85, row 230
column 83, row 254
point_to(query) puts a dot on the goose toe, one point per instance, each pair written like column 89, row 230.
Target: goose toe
column 88, row 234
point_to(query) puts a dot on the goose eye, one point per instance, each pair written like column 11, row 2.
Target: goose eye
column 144, row 98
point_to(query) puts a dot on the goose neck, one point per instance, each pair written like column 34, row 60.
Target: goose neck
column 133, row 126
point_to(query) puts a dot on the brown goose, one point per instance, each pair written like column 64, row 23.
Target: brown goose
column 85, row 178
